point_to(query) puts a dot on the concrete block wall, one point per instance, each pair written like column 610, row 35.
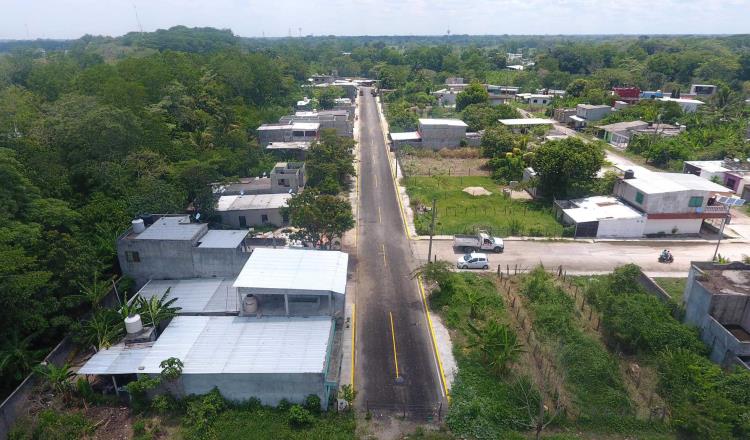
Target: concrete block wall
column 270, row 388
column 253, row 217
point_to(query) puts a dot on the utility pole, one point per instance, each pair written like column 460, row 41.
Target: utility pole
column 432, row 231
column 728, row 202
column 721, row 232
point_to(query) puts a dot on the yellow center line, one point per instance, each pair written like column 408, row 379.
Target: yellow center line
column 376, row 180
column 393, row 338
column 380, row 217
column 385, row 262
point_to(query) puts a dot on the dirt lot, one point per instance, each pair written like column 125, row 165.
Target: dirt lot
column 458, row 162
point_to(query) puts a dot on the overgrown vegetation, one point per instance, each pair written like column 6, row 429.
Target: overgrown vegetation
column 705, row 401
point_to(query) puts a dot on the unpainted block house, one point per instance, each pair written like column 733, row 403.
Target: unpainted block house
column 253, row 322
column 717, row 301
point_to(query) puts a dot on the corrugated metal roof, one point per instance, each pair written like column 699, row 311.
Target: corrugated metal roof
column 117, row 359
column 197, row 295
column 229, row 344
column 527, row 121
column 172, row 228
column 223, row 239
column 295, row 269
column 446, row 121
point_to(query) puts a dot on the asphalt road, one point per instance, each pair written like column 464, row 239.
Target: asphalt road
column 390, row 313
column 587, row 257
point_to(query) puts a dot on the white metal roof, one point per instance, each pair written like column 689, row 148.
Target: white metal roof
column 265, row 127
column 683, row 100
column 407, row 136
column 527, row 121
column 196, row 295
column 600, row 208
column 296, row 145
column 234, row 344
column 172, row 228
column 117, row 359
column 226, row 345
column 446, row 121
column 252, row 201
column 297, row 270
column 305, row 125
column 223, row 239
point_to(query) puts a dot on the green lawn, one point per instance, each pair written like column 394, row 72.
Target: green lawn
column 461, row 213
column 271, row 424
column 674, row 287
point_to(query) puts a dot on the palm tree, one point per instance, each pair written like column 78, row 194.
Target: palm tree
column 57, row 378
column 93, row 293
column 17, row 356
column 157, row 309
column 103, row 329
column 498, row 345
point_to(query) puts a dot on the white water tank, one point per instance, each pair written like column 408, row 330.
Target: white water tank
column 133, row 324
column 138, row 225
column 250, row 305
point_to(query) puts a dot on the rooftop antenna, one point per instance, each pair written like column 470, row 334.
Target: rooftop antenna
column 137, row 19
column 448, row 32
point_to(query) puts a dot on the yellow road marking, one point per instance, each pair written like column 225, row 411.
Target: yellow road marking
column 380, row 217
column 376, row 180
column 384, row 260
column 443, row 382
column 354, row 338
column 393, row 338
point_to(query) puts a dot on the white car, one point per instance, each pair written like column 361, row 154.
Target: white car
column 473, row 260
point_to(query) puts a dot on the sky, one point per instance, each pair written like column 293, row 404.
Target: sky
column 22, row 19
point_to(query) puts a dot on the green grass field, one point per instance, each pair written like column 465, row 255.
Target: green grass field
column 461, row 213
column 675, row 287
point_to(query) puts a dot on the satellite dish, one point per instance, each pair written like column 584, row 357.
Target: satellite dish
column 198, row 216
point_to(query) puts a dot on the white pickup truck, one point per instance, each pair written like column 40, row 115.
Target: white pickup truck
column 483, row 241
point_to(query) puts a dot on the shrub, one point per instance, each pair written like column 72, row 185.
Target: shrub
column 284, row 405
column 299, row 417
column 312, row 403
column 202, row 411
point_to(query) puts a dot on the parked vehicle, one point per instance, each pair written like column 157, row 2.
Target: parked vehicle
column 481, row 241
column 473, row 260
column 361, row 92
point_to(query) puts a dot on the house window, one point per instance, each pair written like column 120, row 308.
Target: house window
column 282, row 182
column 243, row 221
column 639, row 197
column 132, row 257
column 695, row 202
column 264, row 218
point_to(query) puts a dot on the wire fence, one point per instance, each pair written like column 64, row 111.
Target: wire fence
column 545, row 355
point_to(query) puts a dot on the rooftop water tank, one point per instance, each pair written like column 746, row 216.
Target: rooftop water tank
column 133, row 324
column 138, row 225
column 630, row 174
column 250, row 305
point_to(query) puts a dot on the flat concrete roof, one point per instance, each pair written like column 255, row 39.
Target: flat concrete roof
column 295, row 270
column 527, row 121
column 305, row 125
column 226, row 345
column 711, row 166
column 622, row 126
column 682, row 100
column 299, row 145
column 171, row 228
column 252, row 201
column 446, row 121
column 599, row 208
column 656, row 183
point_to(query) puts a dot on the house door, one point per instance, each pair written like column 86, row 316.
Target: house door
column 243, row 221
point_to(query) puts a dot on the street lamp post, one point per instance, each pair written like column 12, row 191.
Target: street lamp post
column 727, row 202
